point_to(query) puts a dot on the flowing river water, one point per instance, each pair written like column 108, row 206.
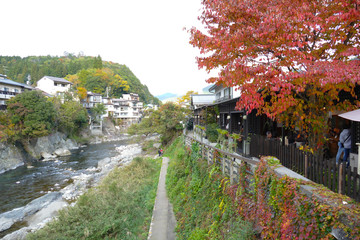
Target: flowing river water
column 24, row 184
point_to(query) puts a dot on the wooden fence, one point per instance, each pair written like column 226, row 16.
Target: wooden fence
column 229, row 163
column 338, row 178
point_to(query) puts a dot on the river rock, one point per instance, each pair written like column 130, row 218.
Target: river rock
column 103, row 162
column 7, row 219
column 62, row 152
column 81, row 183
column 47, row 156
column 71, row 144
column 43, row 216
column 157, row 145
column 10, row 157
column 49, row 144
column 154, row 137
column 18, row 235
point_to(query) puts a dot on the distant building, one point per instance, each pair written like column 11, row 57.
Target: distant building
column 110, row 109
column 128, row 109
column 224, row 94
column 202, row 100
column 54, row 86
column 91, row 100
column 9, row 89
column 151, row 106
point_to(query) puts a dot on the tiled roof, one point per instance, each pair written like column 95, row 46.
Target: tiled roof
column 59, row 80
column 93, row 94
column 13, row 83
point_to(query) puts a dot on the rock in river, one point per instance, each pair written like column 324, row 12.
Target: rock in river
column 62, row 152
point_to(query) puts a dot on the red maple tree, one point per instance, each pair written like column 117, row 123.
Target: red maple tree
column 288, row 58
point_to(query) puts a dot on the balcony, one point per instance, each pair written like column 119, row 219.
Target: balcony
column 7, row 94
column 222, row 99
column 88, row 105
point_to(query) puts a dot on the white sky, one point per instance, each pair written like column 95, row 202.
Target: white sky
column 145, row 35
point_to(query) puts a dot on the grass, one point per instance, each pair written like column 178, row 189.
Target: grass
column 119, row 208
column 198, row 194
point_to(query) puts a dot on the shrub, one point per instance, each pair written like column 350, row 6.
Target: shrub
column 211, row 132
column 202, row 209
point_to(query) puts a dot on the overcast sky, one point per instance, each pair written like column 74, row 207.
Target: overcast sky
column 145, row 35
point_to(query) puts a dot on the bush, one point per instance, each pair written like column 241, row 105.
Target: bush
column 32, row 114
column 203, row 210
column 211, row 132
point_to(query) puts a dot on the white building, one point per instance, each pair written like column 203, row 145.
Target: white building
column 151, row 106
column 54, row 86
column 223, row 94
column 91, row 100
column 128, row 108
column 9, row 89
column 110, row 109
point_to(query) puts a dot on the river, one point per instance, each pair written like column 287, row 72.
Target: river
column 23, row 184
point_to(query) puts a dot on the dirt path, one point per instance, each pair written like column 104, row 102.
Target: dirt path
column 163, row 220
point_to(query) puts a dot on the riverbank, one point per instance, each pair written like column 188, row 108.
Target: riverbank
column 120, row 207
column 40, row 214
column 47, row 147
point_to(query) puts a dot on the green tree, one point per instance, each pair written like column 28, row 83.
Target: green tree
column 98, row 111
column 98, row 62
column 167, row 121
column 32, row 114
column 72, row 117
column 7, row 128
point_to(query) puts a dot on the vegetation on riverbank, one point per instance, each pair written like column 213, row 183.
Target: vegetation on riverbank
column 119, row 208
column 196, row 190
column 31, row 115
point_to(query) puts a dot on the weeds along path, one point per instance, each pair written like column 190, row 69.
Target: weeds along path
column 163, row 219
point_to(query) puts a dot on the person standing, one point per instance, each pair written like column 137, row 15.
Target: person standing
column 268, row 135
column 344, row 145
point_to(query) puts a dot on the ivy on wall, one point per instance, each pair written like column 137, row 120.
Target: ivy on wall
column 282, row 211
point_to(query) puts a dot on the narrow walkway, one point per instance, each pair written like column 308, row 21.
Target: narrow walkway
column 163, row 220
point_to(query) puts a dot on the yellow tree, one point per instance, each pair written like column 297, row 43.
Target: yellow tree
column 82, row 92
column 185, row 98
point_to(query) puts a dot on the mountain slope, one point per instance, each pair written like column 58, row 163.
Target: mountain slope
column 166, row 96
column 18, row 69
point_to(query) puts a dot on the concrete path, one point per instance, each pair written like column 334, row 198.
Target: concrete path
column 163, row 220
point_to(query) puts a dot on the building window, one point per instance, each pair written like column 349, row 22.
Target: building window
column 218, row 95
column 227, row 92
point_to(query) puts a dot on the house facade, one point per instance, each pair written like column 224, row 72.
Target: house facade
column 91, row 100
column 9, row 89
column 253, row 126
column 151, row 106
column 128, row 109
column 54, row 86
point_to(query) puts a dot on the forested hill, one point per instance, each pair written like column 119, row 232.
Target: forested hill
column 18, row 69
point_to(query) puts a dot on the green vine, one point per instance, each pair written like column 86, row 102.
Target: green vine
column 279, row 208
